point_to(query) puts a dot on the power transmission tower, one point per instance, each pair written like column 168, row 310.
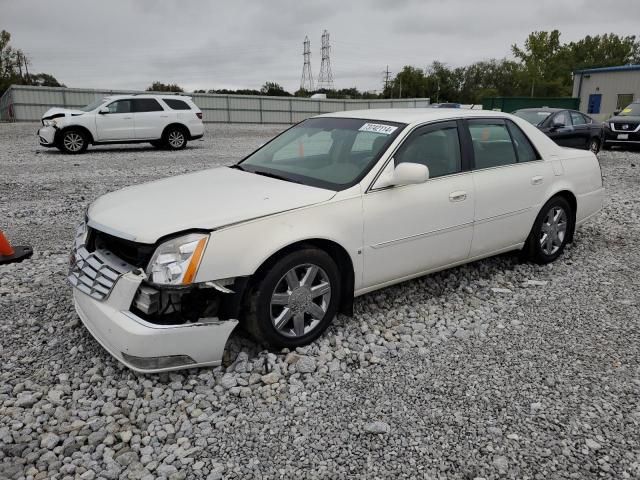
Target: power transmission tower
column 325, row 79
column 306, row 82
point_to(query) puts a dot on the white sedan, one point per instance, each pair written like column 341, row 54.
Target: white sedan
column 334, row 207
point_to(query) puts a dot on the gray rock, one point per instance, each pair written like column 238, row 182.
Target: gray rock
column 49, row 440
column 377, row 427
column 306, row 364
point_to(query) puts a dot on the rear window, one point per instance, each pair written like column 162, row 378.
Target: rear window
column 146, row 105
column 535, row 117
column 176, row 104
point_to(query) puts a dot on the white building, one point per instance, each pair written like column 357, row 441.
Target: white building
column 604, row 90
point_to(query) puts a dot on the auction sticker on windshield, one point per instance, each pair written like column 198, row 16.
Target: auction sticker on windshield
column 378, row 128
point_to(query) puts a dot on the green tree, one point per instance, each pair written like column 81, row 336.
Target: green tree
column 164, row 87
column 544, row 60
column 14, row 65
column 603, row 51
column 274, row 89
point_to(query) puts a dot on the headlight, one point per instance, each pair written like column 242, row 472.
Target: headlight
column 176, row 261
column 49, row 123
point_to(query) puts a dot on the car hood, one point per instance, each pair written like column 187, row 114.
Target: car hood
column 625, row 119
column 206, row 200
column 57, row 112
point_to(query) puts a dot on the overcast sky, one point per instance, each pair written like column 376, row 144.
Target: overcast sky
column 242, row 44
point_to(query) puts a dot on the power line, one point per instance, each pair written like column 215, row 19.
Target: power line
column 306, row 82
column 325, row 79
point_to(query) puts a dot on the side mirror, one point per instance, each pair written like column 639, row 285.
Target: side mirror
column 617, row 112
column 410, row 173
column 103, row 110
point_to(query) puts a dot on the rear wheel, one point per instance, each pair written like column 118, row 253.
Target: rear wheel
column 551, row 231
column 295, row 300
column 73, row 141
column 175, row 138
column 594, row 145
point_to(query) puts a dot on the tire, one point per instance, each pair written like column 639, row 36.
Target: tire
column 73, row 141
column 556, row 220
column 281, row 314
column 594, row 145
column 158, row 143
column 175, row 138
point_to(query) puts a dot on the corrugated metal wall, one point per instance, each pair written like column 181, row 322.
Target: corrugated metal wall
column 25, row 103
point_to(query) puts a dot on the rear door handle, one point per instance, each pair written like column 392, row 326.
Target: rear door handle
column 457, row 196
column 537, row 180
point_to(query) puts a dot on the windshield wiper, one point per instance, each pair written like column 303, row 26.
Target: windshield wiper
column 272, row 175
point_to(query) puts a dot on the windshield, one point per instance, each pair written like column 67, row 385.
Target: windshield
column 92, row 106
column 535, row 117
column 632, row 109
column 333, row 153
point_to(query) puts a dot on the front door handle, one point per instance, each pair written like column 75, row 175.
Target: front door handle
column 537, row 180
column 457, row 196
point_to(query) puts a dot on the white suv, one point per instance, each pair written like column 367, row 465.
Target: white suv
column 163, row 120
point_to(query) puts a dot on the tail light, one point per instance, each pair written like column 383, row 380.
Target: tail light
column 199, row 114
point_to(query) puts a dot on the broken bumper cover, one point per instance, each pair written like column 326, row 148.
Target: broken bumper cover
column 47, row 136
column 147, row 347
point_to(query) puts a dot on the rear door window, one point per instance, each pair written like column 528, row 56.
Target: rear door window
column 146, row 105
column 578, row 119
column 492, row 146
column 175, row 104
column 524, row 148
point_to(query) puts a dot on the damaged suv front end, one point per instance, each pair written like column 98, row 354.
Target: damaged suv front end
column 142, row 304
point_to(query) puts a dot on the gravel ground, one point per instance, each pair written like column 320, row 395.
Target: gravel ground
column 493, row 370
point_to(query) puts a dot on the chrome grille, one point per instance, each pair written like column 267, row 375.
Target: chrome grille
column 94, row 273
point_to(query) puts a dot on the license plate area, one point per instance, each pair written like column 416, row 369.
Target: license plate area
column 623, row 136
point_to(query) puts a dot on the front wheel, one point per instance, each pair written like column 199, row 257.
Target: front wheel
column 551, row 231
column 175, row 138
column 73, row 141
column 295, row 300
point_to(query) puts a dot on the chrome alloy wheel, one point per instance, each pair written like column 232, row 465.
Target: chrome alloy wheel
column 176, row 138
column 73, row 142
column 553, row 231
column 300, row 300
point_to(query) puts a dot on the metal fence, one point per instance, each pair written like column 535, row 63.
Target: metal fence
column 27, row 103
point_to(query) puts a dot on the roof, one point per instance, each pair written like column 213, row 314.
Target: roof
column 543, row 109
column 414, row 115
column 621, row 68
column 146, row 95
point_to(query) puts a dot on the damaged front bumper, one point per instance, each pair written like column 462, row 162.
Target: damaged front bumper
column 47, row 136
column 104, row 293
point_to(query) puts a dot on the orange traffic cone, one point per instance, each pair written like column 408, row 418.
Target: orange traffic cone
column 9, row 254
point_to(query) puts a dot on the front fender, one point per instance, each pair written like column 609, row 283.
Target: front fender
column 239, row 250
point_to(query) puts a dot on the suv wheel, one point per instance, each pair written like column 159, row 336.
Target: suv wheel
column 73, row 141
column 295, row 301
column 175, row 138
column 551, row 231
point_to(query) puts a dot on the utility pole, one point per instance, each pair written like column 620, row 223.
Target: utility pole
column 306, row 82
column 386, row 74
